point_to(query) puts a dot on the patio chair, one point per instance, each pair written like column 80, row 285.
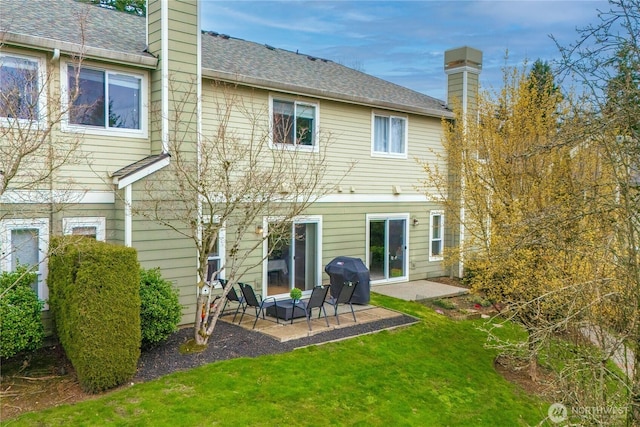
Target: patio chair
column 344, row 297
column 232, row 296
column 259, row 304
column 316, row 300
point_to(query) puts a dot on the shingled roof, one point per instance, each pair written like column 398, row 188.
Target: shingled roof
column 111, row 34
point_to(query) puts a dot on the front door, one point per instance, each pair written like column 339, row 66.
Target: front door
column 294, row 259
column 387, row 247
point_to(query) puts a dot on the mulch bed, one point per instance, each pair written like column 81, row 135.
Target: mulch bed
column 231, row 341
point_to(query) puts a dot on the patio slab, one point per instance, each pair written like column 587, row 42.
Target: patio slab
column 286, row 331
column 419, row 290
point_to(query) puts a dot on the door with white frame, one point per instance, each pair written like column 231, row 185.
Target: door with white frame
column 387, row 247
column 294, row 258
column 25, row 242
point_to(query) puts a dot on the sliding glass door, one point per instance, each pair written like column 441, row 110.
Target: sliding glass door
column 387, row 247
column 294, row 259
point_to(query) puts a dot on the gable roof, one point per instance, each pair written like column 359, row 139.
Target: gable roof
column 120, row 37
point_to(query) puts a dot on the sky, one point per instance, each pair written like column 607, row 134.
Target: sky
column 404, row 41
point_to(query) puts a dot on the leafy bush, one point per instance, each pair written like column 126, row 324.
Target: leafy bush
column 21, row 326
column 445, row 303
column 160, row 310
column 94, row 290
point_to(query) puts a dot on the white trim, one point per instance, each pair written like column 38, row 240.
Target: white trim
column 42, row 225
column 164, row 57
column 66, row 126
column 374, row 198
column 45, row 196
column 302, row 219
column 315, row 147
column 439, row 213
column 99, row 222
column 142, row 173
column 42, row 92
column 390, row 116
column 406, row 255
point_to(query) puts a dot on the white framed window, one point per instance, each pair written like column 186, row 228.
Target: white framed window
column 436, row 235
column 22, row 88
column 217, row 256
column 94, row 227
column 26, row 242
column 294, row 123
column 389, row 135
column 103, row 101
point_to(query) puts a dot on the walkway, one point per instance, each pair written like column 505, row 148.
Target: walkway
column 419, row 290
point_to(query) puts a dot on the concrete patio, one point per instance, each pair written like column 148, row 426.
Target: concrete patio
column 286, row 331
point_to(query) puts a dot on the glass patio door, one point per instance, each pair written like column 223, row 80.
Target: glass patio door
column 294, row 259
column 387, row 248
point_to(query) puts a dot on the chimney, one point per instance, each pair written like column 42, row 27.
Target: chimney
column 463, row 66
column 173, row 36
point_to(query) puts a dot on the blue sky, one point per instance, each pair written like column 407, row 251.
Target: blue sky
column 404, row 41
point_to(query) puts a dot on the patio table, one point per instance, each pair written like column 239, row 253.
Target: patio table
column 286, row 309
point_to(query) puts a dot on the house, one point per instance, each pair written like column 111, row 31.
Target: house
column 119, row 125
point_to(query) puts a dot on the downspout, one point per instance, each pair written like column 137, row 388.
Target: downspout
column 164, row 55
column 128, row 217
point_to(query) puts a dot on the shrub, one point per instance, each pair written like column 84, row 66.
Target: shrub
column 95, row 300
column 160, row 310
column 445, row 303
column 21, row 326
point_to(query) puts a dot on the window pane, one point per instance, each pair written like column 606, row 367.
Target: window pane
column 436, row 247
column 305, row 115
column 124, row 101
column 18, row 88
column 24, row 249
column 283, row 124
column 397, row 135
column 436, row 226
column 381, row 134
column 85, row 231
column 88, row 100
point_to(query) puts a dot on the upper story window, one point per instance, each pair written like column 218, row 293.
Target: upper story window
column 105, row 100
column 294, row 123
column 21, row 94
column 389, row 135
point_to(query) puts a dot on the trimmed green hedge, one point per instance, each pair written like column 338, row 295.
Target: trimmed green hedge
column 94, row 296
column 160, row 310
column 21, row 326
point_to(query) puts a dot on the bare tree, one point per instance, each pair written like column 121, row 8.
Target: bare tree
column 606, row 62
column 33, row 151
column 230, row 180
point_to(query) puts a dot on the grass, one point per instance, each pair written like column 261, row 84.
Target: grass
column 434, row 373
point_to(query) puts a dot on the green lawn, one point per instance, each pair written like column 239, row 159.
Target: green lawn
column 431, row 374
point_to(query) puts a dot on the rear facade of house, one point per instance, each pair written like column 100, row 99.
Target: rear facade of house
column 132, row 66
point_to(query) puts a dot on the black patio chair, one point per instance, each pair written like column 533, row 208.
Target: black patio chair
column 344, row 297
column 316, row 300
column 259, row 304
column 233, row 297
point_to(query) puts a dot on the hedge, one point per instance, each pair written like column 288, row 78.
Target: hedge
column 21, row 328
column 94, row 296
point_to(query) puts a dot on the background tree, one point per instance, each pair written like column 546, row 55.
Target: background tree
column 606, row 62
column 238, row 179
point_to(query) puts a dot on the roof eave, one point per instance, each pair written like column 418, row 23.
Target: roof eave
column 335, row 96
column 87, row 52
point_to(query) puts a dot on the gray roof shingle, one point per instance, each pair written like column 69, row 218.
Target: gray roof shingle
column 228, row 58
